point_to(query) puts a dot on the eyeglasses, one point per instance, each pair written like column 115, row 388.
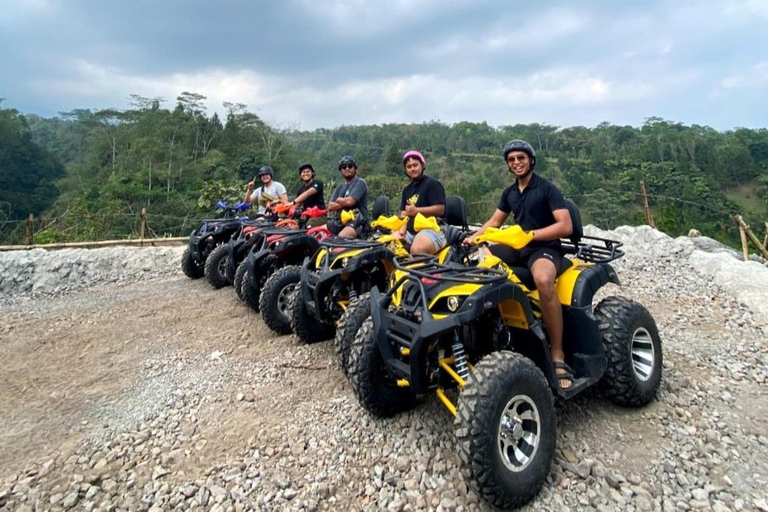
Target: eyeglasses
column 346, row 166
column 517, row 158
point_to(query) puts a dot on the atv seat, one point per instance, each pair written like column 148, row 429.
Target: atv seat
column 526, row 277
column 455, row 216
column 380, row 207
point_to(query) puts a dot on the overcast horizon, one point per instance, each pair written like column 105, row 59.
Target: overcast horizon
column 311, row 64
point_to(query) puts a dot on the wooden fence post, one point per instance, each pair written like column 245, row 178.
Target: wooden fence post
column 30, row 230
column 747, row 233
column 744, row 245
column 765, row 241
column 143, row 225
column 646, row 208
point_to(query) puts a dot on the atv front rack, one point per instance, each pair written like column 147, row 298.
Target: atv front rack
column 427, row 267
column 349, row 243
column 607, row 250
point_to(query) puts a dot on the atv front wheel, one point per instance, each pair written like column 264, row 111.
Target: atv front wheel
column 240, row 279
column 349, row 323
column 191, row 267
column 306, row 327
column 633, row 350
column 216, row 267
column 506, row 428
column 256, row 276
column 275, row 296
column 376, row 390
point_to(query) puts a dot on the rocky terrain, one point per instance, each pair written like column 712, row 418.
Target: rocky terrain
column 125, row 385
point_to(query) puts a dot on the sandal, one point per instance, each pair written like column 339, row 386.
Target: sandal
column 565, row 375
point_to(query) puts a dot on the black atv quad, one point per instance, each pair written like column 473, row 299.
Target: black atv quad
column 475, row 338
column 207, row 236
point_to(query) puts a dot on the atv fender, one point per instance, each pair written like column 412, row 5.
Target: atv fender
column 589, row 281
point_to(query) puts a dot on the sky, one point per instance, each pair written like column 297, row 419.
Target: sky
column 325, row 63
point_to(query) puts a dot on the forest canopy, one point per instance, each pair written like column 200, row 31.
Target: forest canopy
column 86, row 174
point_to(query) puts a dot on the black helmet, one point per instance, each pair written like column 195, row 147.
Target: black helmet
column 307, row 166
column 520, row 145
column 348, row 160
column 267, row 170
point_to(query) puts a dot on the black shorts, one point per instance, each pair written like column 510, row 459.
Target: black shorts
column 335, row 227
column 526, row 256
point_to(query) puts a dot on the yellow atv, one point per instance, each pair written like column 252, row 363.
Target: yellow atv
column 474, row 336
column 335, row 283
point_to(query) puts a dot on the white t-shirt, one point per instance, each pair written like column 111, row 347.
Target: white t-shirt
column 263, row 196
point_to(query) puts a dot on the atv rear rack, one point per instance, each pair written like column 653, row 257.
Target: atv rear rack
column 607, row 251
column 349, row 243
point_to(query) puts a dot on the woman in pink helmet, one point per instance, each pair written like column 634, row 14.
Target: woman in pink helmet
column 424, row 195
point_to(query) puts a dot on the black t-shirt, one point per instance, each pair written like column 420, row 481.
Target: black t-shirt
column 532, row 209
column 424, row 192
column 314, row 199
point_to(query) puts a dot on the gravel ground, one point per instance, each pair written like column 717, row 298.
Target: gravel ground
column 158, row 392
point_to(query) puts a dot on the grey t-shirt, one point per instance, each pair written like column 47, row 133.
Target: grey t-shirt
column 265, row 195
column 356, row 188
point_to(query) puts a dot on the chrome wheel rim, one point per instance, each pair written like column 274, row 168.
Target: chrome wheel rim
column 282, row 299
column 643, row 354
column 519, row 433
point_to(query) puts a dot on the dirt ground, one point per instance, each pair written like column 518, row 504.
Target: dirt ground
column 73, row 367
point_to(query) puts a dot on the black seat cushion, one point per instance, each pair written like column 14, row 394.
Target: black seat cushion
column 380, row 207
column 455, row 211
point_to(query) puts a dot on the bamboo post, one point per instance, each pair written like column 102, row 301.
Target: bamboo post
column 646, row 208
column 744, row 244
column 30, row 230
column 143, row 225
column 745, row 231
column 765, row 241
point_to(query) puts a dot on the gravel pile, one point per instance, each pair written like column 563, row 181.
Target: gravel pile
column 38, row 272
column 701, row 446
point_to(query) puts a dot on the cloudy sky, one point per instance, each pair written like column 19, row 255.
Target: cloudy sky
column 325, row 63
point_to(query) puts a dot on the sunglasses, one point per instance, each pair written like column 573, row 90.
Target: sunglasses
column 517, row 158
column 346, row 166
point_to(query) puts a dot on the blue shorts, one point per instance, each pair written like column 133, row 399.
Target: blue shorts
column 438, row 239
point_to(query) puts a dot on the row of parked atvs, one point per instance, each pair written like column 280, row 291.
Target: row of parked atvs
column 461, row 325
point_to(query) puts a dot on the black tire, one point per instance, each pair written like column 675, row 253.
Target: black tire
column 256, row 276
column 350, row 322
column 633, row 350
column 242, row 269
column 191, row 267
column 306, row 327
column 376, row 390
column 216, row 267
column 231, row 268
column 276, row 297
column 507, row 463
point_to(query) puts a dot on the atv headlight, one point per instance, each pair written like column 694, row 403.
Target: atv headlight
column 453, row 303
column 344, row 262
column 448, row 305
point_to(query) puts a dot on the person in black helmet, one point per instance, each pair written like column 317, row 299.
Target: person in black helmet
column 269, row 192
column 310, row 194
column 350, row 195
column 539, row 208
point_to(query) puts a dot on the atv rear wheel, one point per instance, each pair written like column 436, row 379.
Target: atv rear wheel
column 240, row 279
column 506, row 428
column 376, row 390
column 275, row 298
column 306, row 327
column 191, row 268
column 349, row 323
column 256, row 276
column 216, row 267
column 633, row 350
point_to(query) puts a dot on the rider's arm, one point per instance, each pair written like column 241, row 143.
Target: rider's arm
column 248, row 192
column 562, row 227
column 436, row 210
column 496, row 220
column 305, row 195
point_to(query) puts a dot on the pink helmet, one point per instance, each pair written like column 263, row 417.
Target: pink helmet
column 415, row 154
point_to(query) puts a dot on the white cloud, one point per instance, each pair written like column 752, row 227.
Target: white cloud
column 552, row 25
column 755, row 77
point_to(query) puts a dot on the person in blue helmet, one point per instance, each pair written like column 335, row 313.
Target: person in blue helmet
column 539, row 207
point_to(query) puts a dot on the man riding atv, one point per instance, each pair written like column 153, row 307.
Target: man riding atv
column 350, row 195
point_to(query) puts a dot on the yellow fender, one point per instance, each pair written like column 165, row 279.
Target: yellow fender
column 392, row 223
column 421, row 222
column 513, row 236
